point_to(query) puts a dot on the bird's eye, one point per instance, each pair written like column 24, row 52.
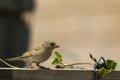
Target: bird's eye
column 52, row 44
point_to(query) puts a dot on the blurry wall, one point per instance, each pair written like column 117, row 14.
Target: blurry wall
column 79, row 27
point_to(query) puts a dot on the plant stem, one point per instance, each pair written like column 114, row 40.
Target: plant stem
column 79, row 64
column 7, row 63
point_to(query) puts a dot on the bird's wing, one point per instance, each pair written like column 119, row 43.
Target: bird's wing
column 32, row 52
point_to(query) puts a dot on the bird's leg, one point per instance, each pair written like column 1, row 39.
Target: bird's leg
column 42, row 67
column 35, row 66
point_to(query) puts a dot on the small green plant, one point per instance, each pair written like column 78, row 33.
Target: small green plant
column 58, row 60
column 104, row 68
column 9, row 65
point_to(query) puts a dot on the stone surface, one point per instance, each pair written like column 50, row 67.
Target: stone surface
column 27, row 74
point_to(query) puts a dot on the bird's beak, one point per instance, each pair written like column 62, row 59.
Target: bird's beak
column 57, row 46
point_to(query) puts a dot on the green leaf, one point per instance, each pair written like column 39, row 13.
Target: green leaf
column 56, row 61
column 110, row 64
column 105, row 68
column 103, row 72
column 58, row 55
column 93, row 58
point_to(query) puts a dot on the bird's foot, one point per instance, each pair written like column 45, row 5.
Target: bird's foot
column 43, row 68
column 36, row 66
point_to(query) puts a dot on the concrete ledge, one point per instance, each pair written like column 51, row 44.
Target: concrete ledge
column 27, row 74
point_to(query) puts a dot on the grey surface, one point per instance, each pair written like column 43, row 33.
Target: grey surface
column 53, row 75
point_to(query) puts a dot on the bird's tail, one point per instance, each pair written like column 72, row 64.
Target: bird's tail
column 13, row 59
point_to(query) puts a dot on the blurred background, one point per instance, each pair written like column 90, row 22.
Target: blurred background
column 78, row 26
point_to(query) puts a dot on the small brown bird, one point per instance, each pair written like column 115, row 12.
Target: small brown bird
column 37, row 55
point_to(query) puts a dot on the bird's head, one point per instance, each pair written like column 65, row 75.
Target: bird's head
column 50, row 45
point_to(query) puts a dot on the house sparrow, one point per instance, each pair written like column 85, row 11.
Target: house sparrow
column 37, row 55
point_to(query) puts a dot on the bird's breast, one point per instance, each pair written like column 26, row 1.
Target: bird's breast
column 39, row 58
